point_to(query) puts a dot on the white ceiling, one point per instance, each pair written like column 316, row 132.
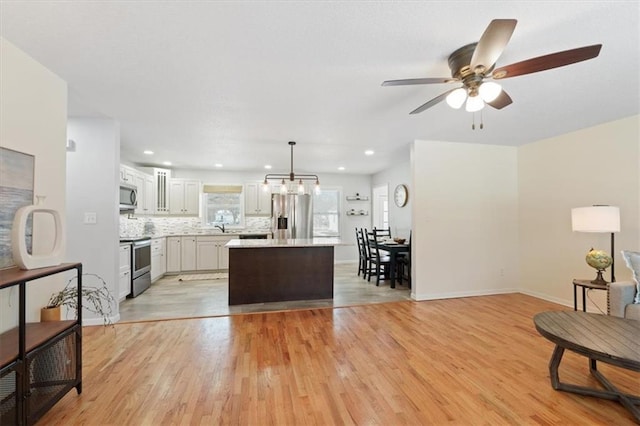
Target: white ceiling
column 231, row 82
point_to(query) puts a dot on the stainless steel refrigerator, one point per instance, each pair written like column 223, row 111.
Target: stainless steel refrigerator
column 292, row 216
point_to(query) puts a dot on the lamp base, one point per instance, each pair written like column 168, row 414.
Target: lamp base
column 599, row 279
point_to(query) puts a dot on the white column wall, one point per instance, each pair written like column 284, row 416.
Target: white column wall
column 92, row 187
column 465, row 233
column 33, row 120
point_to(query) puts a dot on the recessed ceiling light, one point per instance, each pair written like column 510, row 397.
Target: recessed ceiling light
column 218, row 165
column 341, row 168
column 166, row 163
column 268, row 167
column 369, row 152
column 148, row 152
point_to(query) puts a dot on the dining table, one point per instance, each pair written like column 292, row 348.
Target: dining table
column 394, row 249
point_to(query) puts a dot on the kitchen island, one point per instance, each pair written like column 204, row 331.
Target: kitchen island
column 280, row 270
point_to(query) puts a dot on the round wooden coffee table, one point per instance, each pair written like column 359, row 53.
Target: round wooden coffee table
column 598, row 337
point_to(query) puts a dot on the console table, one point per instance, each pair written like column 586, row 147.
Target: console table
column 39, row 362
column 598, row 337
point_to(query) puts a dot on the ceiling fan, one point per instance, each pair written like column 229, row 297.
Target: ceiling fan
column 472, row 64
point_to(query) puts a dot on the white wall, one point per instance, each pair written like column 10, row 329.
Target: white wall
column 33, row 106
column 92, row 186
column 598, row 165
column 465, row 228
column 399, row 217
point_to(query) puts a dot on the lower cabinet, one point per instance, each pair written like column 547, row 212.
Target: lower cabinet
column 174, row 249
column 181, row 254
column 158, row 258
column 202, row 253
column 124, row 275
column 212, row 253
column 188, row 254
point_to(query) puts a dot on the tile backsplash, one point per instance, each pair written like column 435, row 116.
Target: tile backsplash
column 131, row 226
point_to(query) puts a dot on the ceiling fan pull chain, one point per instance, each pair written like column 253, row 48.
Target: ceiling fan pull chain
column 473, row 124
column 481, row 121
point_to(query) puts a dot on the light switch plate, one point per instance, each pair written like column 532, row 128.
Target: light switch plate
column 90, row 218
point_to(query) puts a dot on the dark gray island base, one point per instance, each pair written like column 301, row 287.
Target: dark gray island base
column 279, row 270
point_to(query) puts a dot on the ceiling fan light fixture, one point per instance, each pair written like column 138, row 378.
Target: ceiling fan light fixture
column 456, row 98
column 474, row 103
column 489, row 91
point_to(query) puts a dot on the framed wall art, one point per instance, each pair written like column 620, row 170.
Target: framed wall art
column 16, row 190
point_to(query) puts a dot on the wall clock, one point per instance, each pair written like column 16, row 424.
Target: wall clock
column 400, row 195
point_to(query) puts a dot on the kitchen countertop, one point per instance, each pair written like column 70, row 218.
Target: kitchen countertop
column 197, row 234
column 300, row 242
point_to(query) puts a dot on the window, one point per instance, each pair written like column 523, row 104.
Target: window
column 326, row 213
column 223, row 205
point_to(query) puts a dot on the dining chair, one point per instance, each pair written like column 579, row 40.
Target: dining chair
column 384, row 233
column 364, row 237
column 362, row 258
column 404, row 263
column 378, row 263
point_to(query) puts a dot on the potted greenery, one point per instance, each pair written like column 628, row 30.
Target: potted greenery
column 97, row 300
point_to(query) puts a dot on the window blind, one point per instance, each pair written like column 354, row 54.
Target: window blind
column 222, row 189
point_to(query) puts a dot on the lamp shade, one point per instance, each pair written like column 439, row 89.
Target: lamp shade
column 474, row 103
column 456, row 98
column 489, row 91
column 595, row 219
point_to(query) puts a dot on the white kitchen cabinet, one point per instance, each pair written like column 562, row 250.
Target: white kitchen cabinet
column 158, row 258
column 188, row 254
column 212, row 253
column 127, row 175
column 174, row 254
column 124, row 276
column 161, row 179
column 184, row 196
column 146, row 196
column 257, row 202
column 206, row 253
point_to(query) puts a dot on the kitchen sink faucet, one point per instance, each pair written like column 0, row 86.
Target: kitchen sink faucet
column 221, row 228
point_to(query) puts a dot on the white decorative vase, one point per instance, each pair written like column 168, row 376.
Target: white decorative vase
column 21, row 256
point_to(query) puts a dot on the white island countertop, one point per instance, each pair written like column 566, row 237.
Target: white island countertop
column 298, row 242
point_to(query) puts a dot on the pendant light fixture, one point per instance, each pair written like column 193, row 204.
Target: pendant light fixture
column 290, row 178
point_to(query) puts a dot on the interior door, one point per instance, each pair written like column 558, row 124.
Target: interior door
column 380, row 208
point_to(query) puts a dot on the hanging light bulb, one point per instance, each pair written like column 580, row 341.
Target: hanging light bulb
column 489, row 91
column 283, row 187
column 474, row 103
column 300, row 187
column 317, row 187
column 265, row 185
column 456, row 98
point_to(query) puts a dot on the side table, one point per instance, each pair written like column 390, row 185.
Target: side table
column 585, row 284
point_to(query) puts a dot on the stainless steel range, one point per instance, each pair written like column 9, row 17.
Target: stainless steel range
column 140, row 264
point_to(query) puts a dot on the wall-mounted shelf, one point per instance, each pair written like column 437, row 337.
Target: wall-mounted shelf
column 357, row 213
column 357, row 197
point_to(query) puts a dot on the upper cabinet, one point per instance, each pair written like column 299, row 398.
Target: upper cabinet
column 256, row 201
column 146, row 195
column 145, row 185
column 184, row 196
column 128, row 175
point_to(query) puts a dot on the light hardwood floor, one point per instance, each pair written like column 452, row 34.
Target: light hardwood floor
column 169, row 298
column 467, row 361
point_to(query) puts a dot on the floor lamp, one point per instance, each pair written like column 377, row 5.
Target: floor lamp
column 598, row 218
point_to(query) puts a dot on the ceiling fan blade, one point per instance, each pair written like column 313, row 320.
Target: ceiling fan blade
column 411, row 81
column 546, row 62
column 492, row 43
column 501, row 101
column 432, row 102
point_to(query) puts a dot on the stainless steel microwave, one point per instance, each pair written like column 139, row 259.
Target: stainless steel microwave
column 128, row 197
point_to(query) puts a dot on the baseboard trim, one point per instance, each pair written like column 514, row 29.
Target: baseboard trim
column 458, row 294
